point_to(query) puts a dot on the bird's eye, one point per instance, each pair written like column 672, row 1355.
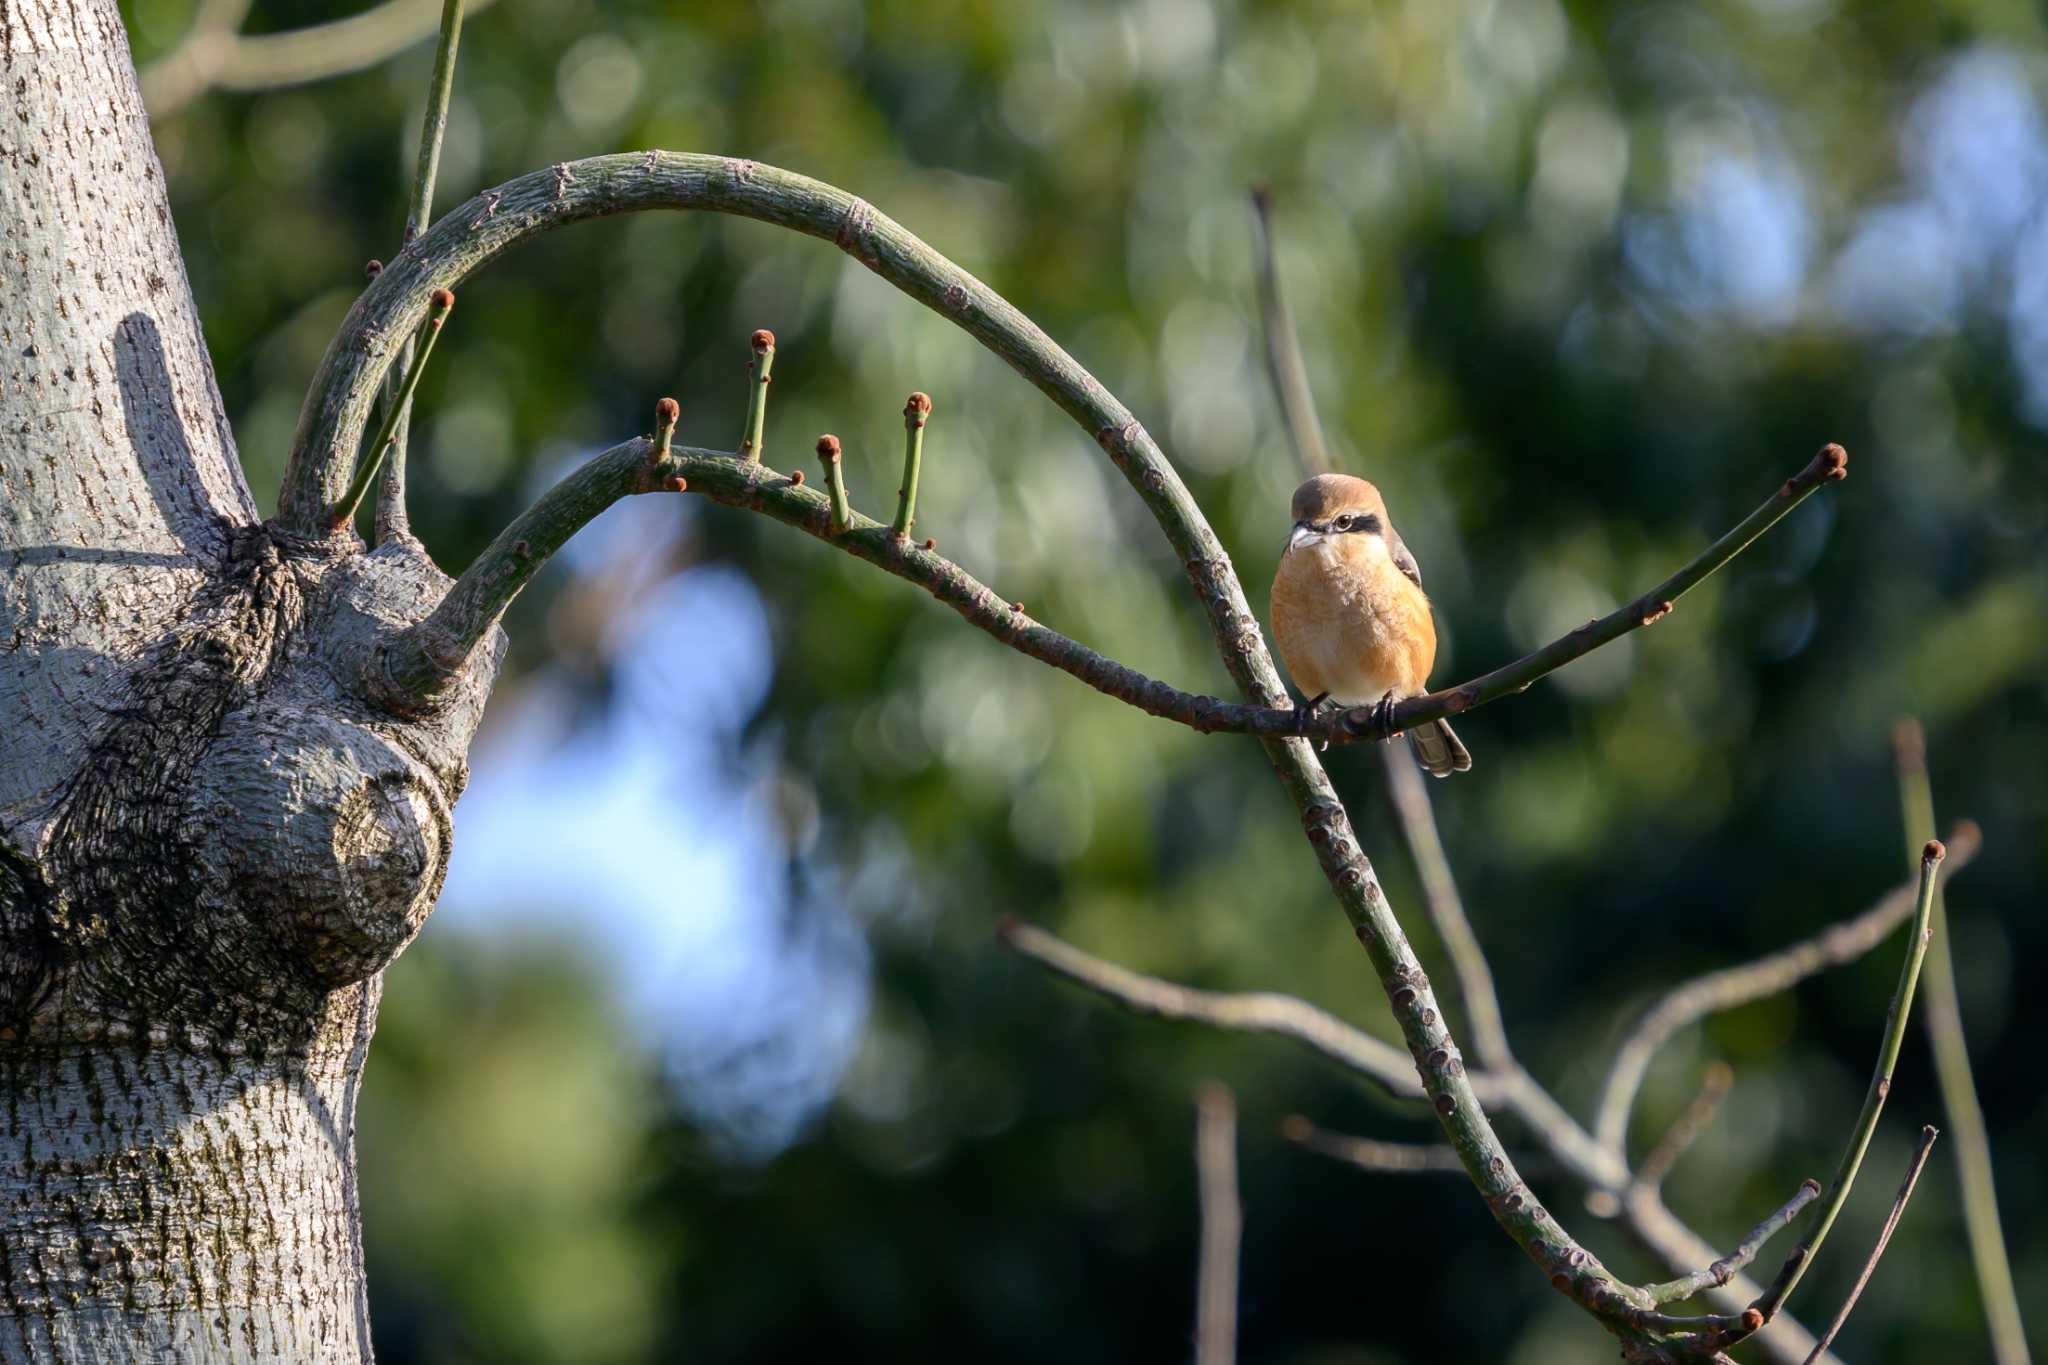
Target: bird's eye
column 1345, row 523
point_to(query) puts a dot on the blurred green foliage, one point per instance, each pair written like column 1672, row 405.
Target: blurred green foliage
column 1579, row 283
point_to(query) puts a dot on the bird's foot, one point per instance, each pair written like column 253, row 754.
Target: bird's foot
column 1383, row 717
column 1305, row 715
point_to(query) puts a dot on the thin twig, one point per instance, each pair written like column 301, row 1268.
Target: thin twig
column 1786, row 1341
column 1283, row 347
column 1896, row 1019
column 1768, row 975
column 835, row 483
column 215, row 57
column 1394, row 1158
column 1685, row 1130
column 1831, row 463
column 916, row 412
column 1222, row 1225
column 344, row 512
column 188, row 69
column 1723, row 1269
column 1446, row 910
column 760, row 374
column 1248, row 1012
column 1969, row 1139
column 1884, row 1238
column 392, row 520
column 1398, row 1158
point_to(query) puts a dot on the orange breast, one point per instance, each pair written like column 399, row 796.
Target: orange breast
column 1347, row 622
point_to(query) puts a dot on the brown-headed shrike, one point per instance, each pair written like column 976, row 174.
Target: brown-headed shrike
column 1349, row 613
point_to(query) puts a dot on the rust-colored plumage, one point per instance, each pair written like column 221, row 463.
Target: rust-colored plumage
column 1349, row 613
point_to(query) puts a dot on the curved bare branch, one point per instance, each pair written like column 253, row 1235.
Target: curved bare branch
column 213, row 56
column 1767, row 975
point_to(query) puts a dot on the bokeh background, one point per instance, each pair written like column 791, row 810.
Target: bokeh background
column 709, row 1053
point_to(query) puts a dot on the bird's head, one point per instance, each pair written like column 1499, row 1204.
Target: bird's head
column 1335, row 505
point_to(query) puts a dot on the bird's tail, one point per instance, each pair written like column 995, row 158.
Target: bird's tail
column 1439, row 750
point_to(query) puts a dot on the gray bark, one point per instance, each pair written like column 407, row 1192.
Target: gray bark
column 213, row 839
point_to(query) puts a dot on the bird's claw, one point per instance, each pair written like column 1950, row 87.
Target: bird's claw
column 1305, row 715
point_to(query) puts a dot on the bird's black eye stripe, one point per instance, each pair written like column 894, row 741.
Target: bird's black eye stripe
column 1363, row 521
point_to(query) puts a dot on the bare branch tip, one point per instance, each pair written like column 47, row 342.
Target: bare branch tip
column 762, row 341
column 1296, row 1128
column 930, row 543
column 1008, row 927
column 1834, row 460
column 1752, row 1319
column 1934, row 852
column 442, row 300
column 373, row 268
column 918, row 408
column 796, row 478
column 666, row 413
column 828, row 449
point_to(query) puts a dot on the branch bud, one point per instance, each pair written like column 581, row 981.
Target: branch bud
column 666, row 413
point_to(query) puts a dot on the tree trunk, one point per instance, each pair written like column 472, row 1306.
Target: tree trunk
column 213, row 838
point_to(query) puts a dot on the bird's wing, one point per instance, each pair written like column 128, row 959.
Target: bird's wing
column 1403, row 561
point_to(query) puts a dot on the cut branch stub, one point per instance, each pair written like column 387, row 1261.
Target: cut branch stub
column 835, row 481
column 915, row 413
column 666, row 413
column 760, row 372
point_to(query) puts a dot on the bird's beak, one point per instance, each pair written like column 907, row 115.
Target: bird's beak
column 1302, row 534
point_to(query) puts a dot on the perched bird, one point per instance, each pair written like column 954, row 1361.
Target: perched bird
column 1349, row 613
